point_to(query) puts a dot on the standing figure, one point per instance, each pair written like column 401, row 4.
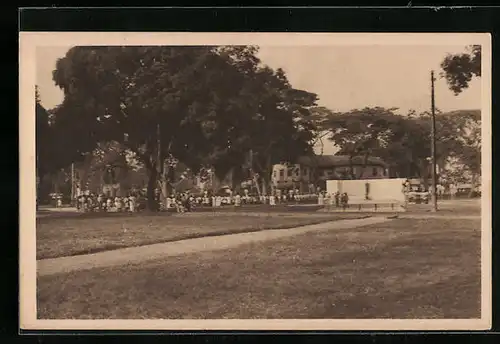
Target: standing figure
column 237, row 200
column 90, row 203
column 321, row 199
column 331, row 200
column 272, row 200
column 99, row 202
column 345, row 200
column 118, row 204
column 109, row 204
column 78, row 203
column 85, row 203
column 406, row 191
column 126, row 206
column 168, row 203
column 189, row 203
column 132, row 203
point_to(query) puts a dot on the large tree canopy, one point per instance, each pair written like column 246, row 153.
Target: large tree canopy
column 459, row 69
column 377, row 132
column 404, row 141
column 201, row 105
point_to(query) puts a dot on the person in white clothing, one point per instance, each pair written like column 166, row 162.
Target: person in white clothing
column 118, row 204
column 99, row 202
column 131, row 203
column 109, row 204
column 272, row 200
column 321, row 199
column 237, row 200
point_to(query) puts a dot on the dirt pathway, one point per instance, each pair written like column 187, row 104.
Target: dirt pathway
column 177, row 248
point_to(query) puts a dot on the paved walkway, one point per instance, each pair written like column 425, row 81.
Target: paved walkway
column 156, row 251
column 436, row 216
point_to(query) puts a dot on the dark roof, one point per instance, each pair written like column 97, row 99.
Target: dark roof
column 338, row 160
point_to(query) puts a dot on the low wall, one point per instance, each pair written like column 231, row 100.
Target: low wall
column 379, row 190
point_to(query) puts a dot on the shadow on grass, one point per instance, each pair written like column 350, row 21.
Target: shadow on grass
column 116, row 246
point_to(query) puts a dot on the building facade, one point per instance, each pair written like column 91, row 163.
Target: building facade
column 316, row 170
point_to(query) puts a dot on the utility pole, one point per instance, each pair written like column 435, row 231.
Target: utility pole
column 159, row 167
column 433, row 146
column 72, row 183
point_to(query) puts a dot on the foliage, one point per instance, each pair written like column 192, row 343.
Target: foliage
column 376, row 132
column 459, row 69
column 201, row 105
column 463, row 130
column 281, row 128
column 404, row 141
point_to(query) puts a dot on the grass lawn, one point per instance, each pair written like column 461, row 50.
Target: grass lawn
column 66, row 236
column 450, row 207
column 404, row 268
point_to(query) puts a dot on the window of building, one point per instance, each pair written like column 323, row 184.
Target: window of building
column 274, row 174
column 282, row 173
column 374, row 171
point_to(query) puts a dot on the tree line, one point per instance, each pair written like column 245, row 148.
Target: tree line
column 219, row 107
column 403, row 140
column 202, row 105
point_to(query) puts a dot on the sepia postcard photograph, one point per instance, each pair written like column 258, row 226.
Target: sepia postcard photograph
column 255, row 181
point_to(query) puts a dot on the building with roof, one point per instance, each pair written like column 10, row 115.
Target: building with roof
column 318, row 169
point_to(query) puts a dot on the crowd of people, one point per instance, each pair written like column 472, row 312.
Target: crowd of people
column 186, row 201
column 99, row 202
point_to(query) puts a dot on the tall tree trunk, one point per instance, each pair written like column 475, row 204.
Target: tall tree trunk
column 267, row 177
column 472, row 184
column 236, row 180
column 351, row 168
column 164, row 181
column 264, row 185
column 426, row 176
column 152, row 204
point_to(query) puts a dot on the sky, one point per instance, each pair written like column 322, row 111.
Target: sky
column 343, row 77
